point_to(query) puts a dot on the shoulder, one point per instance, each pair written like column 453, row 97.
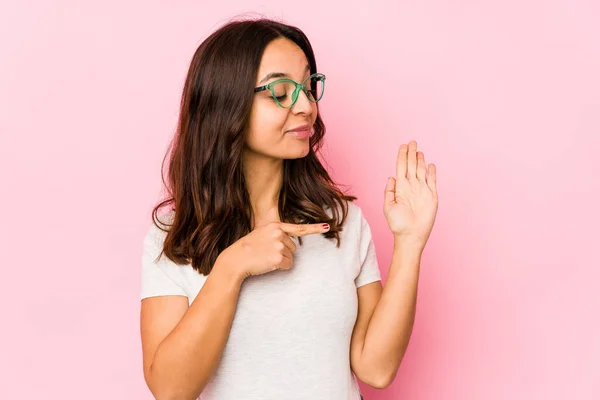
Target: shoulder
column 354, row 214
column 354, row 211
column 155, row 235
column 354, row 222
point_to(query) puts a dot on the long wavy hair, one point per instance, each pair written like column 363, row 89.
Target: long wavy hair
column 206, row 191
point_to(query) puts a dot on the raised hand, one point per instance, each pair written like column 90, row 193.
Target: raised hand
column 411, row 199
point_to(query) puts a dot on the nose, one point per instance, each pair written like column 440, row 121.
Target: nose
column 302, row 105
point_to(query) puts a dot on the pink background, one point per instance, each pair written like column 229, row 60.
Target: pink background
column 503, row 96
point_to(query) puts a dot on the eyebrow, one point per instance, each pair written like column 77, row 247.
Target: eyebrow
column 278, row 75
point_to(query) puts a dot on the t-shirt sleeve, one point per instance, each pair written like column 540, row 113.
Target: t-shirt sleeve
column 369, row 267
column 157, row 275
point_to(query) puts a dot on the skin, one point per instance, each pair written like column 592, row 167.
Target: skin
column 386, row 317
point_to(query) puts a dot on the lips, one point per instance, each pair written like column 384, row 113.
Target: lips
column 301, row 132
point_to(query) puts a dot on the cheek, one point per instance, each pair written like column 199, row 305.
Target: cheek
column 266, row 125
column 315, row 111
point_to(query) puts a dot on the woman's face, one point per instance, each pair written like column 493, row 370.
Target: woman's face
column 270, row 124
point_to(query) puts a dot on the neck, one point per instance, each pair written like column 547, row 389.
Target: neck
column 264, row 178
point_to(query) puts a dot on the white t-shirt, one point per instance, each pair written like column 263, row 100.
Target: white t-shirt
column 290, row 337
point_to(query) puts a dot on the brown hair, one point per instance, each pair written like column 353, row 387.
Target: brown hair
column 206, row 189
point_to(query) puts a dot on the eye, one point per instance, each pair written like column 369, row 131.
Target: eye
column 281, row 90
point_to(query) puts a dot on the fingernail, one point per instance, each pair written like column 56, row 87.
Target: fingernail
column 325, row 226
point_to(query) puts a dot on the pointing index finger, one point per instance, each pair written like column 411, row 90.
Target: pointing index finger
column 303, row 229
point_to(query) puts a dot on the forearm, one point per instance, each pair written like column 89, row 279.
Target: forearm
column 188, row 356
column 390, row 328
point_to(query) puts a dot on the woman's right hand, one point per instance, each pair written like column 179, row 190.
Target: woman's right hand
column 267, row 248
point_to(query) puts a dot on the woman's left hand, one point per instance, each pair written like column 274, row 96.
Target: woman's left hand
column 411, row 200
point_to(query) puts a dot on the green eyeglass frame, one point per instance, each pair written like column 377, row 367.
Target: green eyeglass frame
column 299, row 86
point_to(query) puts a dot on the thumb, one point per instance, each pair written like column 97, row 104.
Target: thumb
column 390, row 191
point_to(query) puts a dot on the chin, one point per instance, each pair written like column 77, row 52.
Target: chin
column 297, row 154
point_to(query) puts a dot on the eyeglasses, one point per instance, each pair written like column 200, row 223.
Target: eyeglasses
column 285, row 91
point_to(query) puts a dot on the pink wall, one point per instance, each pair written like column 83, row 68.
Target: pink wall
column 502, row 96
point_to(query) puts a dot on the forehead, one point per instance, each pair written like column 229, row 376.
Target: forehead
column 283, row 55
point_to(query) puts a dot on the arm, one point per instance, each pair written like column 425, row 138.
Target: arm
column 182, row 346
column 386, row 318
column 410, row 207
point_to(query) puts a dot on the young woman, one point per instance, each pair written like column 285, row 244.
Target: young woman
column 261, row 280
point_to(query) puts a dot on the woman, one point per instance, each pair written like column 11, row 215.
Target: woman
column 261, row 281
